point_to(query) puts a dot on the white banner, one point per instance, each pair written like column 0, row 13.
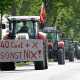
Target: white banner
column 21, row 50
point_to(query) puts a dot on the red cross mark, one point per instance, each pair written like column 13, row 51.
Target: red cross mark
column 34, row 55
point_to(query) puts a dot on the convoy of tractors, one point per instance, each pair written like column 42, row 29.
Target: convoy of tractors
column 28, row 40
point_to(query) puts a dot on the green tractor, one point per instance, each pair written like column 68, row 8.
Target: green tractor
column 69, row 49
column 26, row 27
column 55, row 45
column 77, row 49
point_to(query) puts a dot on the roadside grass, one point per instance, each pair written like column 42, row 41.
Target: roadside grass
column 23, row 63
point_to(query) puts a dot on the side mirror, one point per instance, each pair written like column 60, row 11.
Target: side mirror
column 3, row 26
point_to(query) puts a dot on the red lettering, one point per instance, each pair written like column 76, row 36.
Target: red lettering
column 12, row 45
column 16, row 45
column 2, row 44
column 7, row 55
column 21, row 45
column 2, row 55
column 6, row 44
column 12, row 55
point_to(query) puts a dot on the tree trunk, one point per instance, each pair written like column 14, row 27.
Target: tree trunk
column 13, row 9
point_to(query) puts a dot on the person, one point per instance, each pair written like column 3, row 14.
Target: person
column 24, row 28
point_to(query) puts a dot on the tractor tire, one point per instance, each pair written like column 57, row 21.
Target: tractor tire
column 46, row 62
column 71, row 57
column 50, row 53
column 78, row 54
column 41, row 65
column 7, row 66
column 61, row 57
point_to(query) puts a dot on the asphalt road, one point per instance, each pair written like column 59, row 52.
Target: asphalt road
column 69, row 71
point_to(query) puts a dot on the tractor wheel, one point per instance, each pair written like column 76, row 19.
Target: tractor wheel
column 78, row 54
column 40, row 65
column 7, row 66
column 61, row 57
column 71, row 56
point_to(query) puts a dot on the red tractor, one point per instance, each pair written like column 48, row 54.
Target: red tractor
column 55, row 44
column 26, row 27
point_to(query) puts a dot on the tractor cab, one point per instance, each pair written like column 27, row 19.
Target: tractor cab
column 23, row 26
column 55, row 44
column 53, row 35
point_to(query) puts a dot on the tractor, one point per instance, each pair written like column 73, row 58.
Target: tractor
column 69, row 49
column 26, row 28
column 55, row 44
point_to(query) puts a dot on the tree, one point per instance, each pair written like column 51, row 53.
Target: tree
column 4, row 5
column 63, row 14
column 28, row 7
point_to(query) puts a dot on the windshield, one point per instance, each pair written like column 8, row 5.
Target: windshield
column 24, row 27
column 53, row 36
column 29, row 27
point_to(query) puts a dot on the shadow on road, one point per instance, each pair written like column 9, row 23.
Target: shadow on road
column 24, row 70
column 18, row 71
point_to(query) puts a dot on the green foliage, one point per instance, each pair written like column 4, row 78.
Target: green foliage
column 64, row 14
column 29, row 7
column 5, row 5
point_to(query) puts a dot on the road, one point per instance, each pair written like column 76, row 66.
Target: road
column 69, row 71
